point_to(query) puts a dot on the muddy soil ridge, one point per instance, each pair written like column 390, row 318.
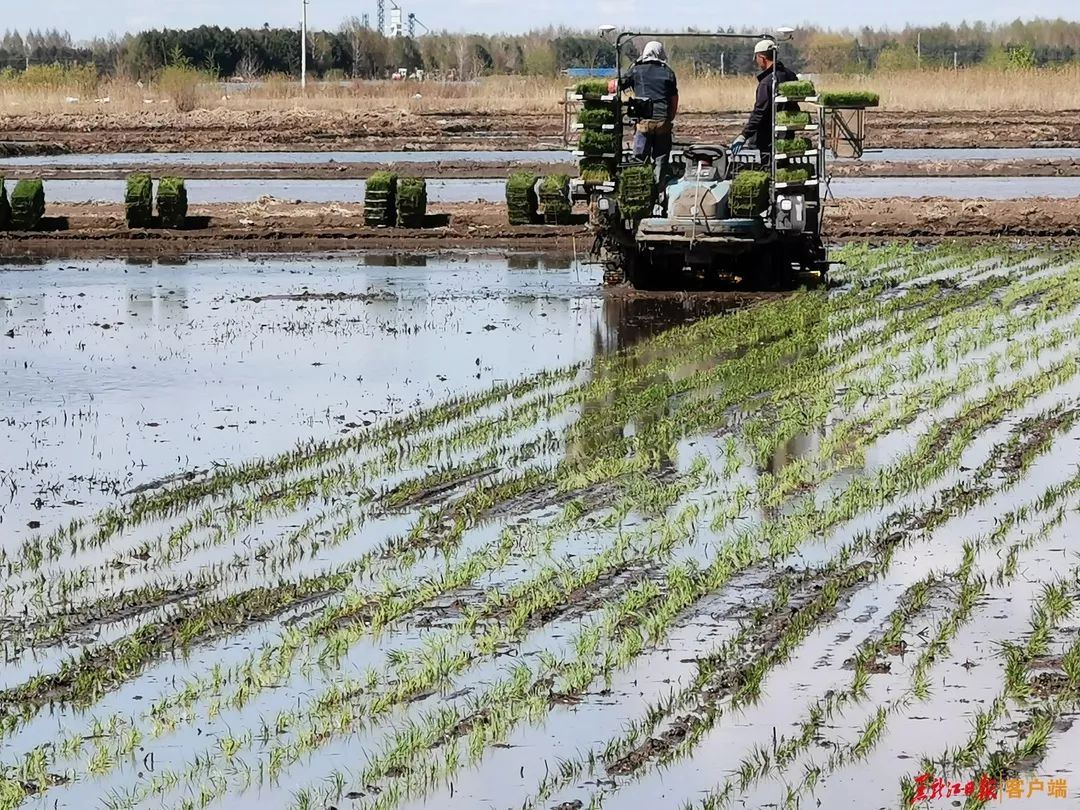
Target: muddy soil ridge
column 277, row 226
column 279, row 130
column 464, row 169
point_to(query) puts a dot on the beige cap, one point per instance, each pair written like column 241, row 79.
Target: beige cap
column 763, row 46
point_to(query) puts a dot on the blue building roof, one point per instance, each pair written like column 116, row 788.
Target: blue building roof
column 589, row 73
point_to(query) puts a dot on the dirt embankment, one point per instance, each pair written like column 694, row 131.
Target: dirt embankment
column 10, row 149
column 275, row 226
column 939, row 217
column 330, row 170
column 299, row 129
column 1035, row 167
column 475, row 170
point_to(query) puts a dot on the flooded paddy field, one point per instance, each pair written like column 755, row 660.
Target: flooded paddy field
column 448, row 531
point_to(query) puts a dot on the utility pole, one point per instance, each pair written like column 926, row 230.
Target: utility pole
column 303, row 45
column 956, row 60
column 918, row 47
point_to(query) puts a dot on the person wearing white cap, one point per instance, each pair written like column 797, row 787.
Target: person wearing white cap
column 654, row 82
column 757, row 134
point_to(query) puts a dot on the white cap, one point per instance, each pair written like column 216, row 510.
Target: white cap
column 764, row 46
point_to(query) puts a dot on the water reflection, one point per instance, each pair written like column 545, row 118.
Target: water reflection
column 634, row 320
column 523, row 261
column 631, row 320
column 395, row 260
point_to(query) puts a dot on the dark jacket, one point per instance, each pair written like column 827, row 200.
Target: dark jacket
column 759, row 127
column 656, row 82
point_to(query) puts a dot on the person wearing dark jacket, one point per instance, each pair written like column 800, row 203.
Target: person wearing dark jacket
column 653, row 80
column 757, row 134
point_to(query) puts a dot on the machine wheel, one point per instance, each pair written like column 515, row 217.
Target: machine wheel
column 614, row 265
column 644, row 270
column 766, row 268
column 607, row 249
column 786, row 269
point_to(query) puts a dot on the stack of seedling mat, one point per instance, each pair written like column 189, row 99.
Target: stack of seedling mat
column 555, row 197
column 793, row 147
column 792, row 120
column 598, row 146
column 411, row 202
column 636, row 192
column 798, row 91
column 794, row 175
column 380, row 199
column 522, row 201
column 749, row 194
column 853, row 99
column 139, row 201
column 596, row 172
column 172, row 202
column 5, row 209
column 27, row 205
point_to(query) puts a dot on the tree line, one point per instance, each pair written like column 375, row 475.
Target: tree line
column 357, row 51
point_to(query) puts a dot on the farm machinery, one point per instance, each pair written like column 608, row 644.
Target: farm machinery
column 708, row 216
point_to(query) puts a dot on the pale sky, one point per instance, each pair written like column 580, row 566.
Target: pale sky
column 86, row 18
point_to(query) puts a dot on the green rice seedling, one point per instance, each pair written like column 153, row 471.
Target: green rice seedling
column 849, row 98
column 592, row 87
column 172, row 202
column 522, row 200
column 749, row 194
column 680, row 598
column 555, row 199
column 27, row 205
column 5, row 207
column 799, row 175
column 948, row 629
column 596, row 115
column 139, row 201
column 786, row 118
column 799, row 89
column 380, row 199
column 636, row 192
column 593, row 142
column 594, row 171
column 412, row 199
column 793, row 146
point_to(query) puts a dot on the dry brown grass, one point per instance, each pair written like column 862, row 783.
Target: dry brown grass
column 929, row 91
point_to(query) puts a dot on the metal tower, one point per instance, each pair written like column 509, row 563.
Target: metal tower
column 397, row 28
column 380, row 15
column 413, row 22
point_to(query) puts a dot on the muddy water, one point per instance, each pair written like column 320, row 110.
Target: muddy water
column 117, row 374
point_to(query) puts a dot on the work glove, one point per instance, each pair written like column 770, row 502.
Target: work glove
column 737, row 144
